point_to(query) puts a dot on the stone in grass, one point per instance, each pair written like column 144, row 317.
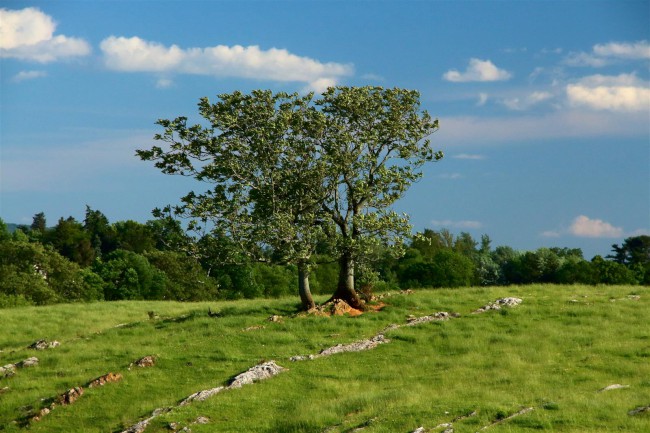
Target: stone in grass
column 147, row 361
column 8, row 370
column 614, row 386
column 639, row 410
column 256, row 373
column 44, row 344
column 107, row 378
column 29, row 362
column 496, row 305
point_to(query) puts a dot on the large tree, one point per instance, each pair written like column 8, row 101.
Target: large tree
column 260, row 153
column 375, row 143
column 290, row 173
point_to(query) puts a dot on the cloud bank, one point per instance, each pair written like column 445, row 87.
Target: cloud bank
column 28, row 34
column 605, row 54
column 137, row 55
column 624, row 92
column 478, row 70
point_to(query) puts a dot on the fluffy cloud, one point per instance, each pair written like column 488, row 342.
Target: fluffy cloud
column 624, row 92
column 478, row 70
column 137, row 55
column 462, row 224
column 586, row 227
column 604, row 54
column 28, row 34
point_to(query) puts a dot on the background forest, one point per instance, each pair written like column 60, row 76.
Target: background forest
column 98, row 260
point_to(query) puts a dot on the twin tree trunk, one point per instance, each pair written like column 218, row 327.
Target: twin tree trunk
column 345, row 288
column 303, row 286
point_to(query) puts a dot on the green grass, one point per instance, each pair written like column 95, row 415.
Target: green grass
column 554, row 352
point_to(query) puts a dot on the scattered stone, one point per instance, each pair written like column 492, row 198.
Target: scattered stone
column 256, row 373
column 302, row 358
column 41, row 413
column 147, row 361
column 254, row 328
column 499, row 421
column 8, row 370
column 419, row 430
column 407, row 292
column 633, row 297
column 638, row 410
column 496, row 305
column 202, row 395
column 29, row 362
column 614, row 386
column 142, row 425
column 70, row 396
column 3, row 390
column 103, row 380
column 275, row 318
column 44, row 344
column 442, row 315
column 202, row 420
column 357, row 346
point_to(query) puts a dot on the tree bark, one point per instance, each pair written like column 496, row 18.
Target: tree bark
column 303, row 286
column 345, row 289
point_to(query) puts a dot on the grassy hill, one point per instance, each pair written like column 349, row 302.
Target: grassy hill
column 543, row 362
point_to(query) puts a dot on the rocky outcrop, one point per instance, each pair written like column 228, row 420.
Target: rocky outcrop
column 496, row 305
column 103, row 380
column 44, row 344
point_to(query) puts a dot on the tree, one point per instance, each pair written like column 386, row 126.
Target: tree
column 376, row 141
column 260, row 153
column 635, row 254
column 39, row 223
column 100, row 231
column 290, row 173
column 70, row 240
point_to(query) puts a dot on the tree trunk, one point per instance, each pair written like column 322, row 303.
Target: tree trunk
column 303, row 286
column 345, row 289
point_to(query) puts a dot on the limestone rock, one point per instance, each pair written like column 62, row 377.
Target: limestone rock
column 8, row 370
column 638, row 410
column 256, row 373
column 70, row 396
column 103, row 380
column 202, row 395
column 496, row 305
column 614, row 386
column 44, row 344
column 29, row 362
column 147, row 361
column 357, row 346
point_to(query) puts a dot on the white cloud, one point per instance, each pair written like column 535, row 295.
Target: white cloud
column 519, row 104
column 604, row 54
column 28, row 75
column 462, row 224
column 482, row 99
column 468, row 156
column 586, row 227
column 635, row 50
column 551, row 234
column 137, row 55
column 572, row 123
column 28, row 34
column 624, row 92
column 478, row 70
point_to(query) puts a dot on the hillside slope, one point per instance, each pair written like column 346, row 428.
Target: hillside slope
column 542, row 365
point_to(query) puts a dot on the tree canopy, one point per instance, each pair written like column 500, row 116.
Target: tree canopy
column 290, row 172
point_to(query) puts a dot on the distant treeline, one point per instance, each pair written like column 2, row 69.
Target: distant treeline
column 98, row 260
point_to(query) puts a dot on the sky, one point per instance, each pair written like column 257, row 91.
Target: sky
column 544, row 106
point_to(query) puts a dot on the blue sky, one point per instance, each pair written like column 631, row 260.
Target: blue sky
column 544, row 106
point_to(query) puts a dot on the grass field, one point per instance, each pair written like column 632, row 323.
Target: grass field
column 553, row 353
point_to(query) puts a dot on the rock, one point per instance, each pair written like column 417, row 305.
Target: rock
column 254, row 328
column 302, row 358
column 202, row 395
column 44, row 344
column 419, row 430
column 3, row 390
column 496, row 305
column 357, row 346
column 8, row 370
column 43, row 412
column 638, row 410
column 202, row 420
column 442, row 315
column 29, row 362
column 614, row 386
column 103, row 380
column 256, row 373
column 275, row 318
column 147, row 361
column 70, row 396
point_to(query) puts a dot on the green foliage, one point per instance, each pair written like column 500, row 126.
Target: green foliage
column 70, row 239
column 128, row 275
column 185, row 279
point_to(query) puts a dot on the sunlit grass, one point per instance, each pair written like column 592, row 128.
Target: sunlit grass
column 554, row 352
